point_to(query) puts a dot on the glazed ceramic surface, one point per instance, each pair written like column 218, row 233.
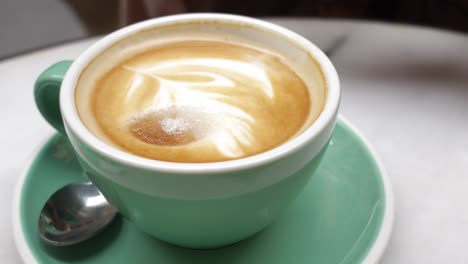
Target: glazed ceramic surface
column 344, row 215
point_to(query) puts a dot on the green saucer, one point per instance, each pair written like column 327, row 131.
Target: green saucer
column 344, row 215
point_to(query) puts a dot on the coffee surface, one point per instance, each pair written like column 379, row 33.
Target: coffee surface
column 199, row 101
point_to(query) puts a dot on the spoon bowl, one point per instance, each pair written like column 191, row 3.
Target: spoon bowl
column 73, row 214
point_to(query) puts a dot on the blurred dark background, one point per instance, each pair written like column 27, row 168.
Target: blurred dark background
column 30, row 24
column 448, row 14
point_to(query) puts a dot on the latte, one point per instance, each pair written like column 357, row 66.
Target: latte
column 199, row 101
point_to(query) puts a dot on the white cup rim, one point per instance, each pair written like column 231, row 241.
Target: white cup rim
column 73, row 122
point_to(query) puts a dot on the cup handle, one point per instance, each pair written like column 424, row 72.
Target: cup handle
column 47, row 94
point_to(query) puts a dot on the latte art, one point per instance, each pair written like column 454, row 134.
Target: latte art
column 200, row 101
column 191, row 97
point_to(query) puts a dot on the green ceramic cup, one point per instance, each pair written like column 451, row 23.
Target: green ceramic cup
column 202, row 205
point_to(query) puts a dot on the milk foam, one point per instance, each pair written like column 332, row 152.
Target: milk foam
column 199, row 101
column 225, row 124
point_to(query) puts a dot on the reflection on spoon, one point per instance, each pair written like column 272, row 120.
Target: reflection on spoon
column 74, row 214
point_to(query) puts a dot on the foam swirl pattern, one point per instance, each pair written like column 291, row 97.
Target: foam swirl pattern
column 200, row 101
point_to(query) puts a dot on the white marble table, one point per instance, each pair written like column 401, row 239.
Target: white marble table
column 405, row 87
